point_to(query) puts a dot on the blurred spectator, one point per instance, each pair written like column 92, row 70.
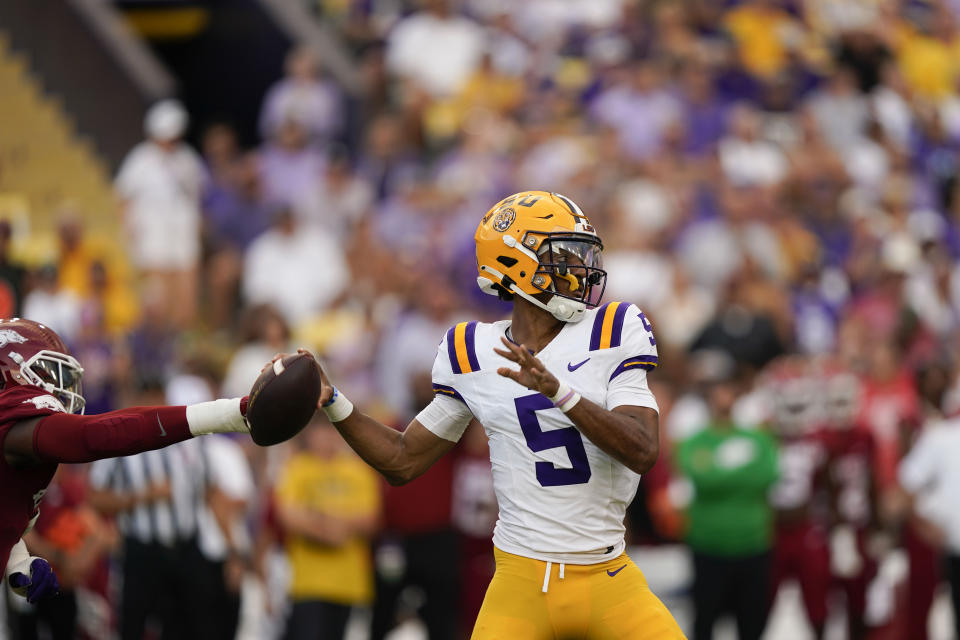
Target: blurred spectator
column 327, row 501
column 235, row 213
column 638, row 107
column 12, row 276
column 105, row 368
column 765, row 35
column 290, row 166
column 840, row 110
column 151, row 346
column 926, row 51
column 746, row 158
column 340, row 197
column 161, row 181
column 731, row 524
column 435, row 49
column 51, row 305
column 929, row 476
column 305, row 97
column 220, row 151
column 299, row 271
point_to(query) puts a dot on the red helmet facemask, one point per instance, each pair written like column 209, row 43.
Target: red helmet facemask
column 33, row 354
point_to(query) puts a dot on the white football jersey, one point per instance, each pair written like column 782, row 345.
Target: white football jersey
column 561, row 498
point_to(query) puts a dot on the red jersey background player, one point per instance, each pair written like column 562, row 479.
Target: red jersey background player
column 800, row 548
column 851, row 454
column 39, row 428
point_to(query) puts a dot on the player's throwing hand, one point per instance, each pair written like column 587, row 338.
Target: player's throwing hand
column 532, row 374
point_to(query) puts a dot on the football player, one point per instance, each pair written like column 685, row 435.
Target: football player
column 561, row 391
column 801, row 548
column 40, row 427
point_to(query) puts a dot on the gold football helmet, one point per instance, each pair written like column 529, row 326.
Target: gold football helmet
column 531, row 240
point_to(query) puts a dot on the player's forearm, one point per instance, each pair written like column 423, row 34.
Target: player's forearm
column 380, row 446
column 632, row 438
column 65, row 437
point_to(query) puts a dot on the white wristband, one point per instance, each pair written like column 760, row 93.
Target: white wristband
column 216, row 416
column 338, row 408
column 565, row 398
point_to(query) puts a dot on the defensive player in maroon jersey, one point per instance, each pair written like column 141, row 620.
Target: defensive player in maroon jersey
column 40, row 427
column 850, row 450
column 801, row 548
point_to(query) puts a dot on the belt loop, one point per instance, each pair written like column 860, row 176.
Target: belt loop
column 562, row 565
column 546, row 577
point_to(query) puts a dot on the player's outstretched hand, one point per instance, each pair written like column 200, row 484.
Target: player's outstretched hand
column 41, row 583
column 532, row 374
column 326, row 387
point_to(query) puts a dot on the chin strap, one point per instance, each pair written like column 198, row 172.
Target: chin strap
column 561, row 308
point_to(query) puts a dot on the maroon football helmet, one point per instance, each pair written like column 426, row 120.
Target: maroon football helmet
column 32, row 353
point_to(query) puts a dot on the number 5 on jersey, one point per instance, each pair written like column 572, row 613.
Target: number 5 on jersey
column 539, row 440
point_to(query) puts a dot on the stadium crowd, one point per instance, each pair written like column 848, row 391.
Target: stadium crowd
column 776, row 186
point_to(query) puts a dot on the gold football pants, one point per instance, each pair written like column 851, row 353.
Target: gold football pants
column 535, row 600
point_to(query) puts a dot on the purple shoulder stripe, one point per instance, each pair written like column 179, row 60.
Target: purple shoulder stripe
column 444, row 390
column 452, row 350
column 597, row 327
column 646, row 362
column 469, row 334
column 618, row 317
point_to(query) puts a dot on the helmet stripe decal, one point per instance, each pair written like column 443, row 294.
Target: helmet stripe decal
column 646, row 362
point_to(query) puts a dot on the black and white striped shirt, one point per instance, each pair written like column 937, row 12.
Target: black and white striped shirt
column 164, row 521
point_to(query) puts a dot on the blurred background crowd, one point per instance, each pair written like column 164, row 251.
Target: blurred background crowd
column 775, row 183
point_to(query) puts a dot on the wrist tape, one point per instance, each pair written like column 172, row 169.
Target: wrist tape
column 565, row 398
column 338, row 408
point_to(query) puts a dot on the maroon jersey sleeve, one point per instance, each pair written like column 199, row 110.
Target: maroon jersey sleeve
column 23, row 488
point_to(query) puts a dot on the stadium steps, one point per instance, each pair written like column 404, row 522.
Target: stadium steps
column 45, row 163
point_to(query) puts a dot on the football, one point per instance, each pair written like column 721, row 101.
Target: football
column 283, row 399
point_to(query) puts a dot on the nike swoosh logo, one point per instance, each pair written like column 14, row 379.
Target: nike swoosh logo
column 574, row 367
column 613, row 573
column 163, row 432
column 546, row 217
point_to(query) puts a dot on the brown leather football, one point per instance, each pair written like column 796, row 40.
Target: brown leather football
column 283, row 399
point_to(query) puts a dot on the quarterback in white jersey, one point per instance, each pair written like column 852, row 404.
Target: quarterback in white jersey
column 570, row 430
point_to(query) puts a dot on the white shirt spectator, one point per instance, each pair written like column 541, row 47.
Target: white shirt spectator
column 299, row 271
column 752, row 162
column 229, row 472
column 58, row 309
column 316, row 105
column 162, row 189
column 438, row 53
column 931, row 474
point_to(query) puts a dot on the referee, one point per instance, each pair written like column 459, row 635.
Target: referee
column 156, row 497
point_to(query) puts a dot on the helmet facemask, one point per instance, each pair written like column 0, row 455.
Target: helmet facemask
column 577, row 261
column 59, row 375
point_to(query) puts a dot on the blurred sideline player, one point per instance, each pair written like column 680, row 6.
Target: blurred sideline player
column 853, row 507
column 39, row 428
column 570, row 430
column 801, row 548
